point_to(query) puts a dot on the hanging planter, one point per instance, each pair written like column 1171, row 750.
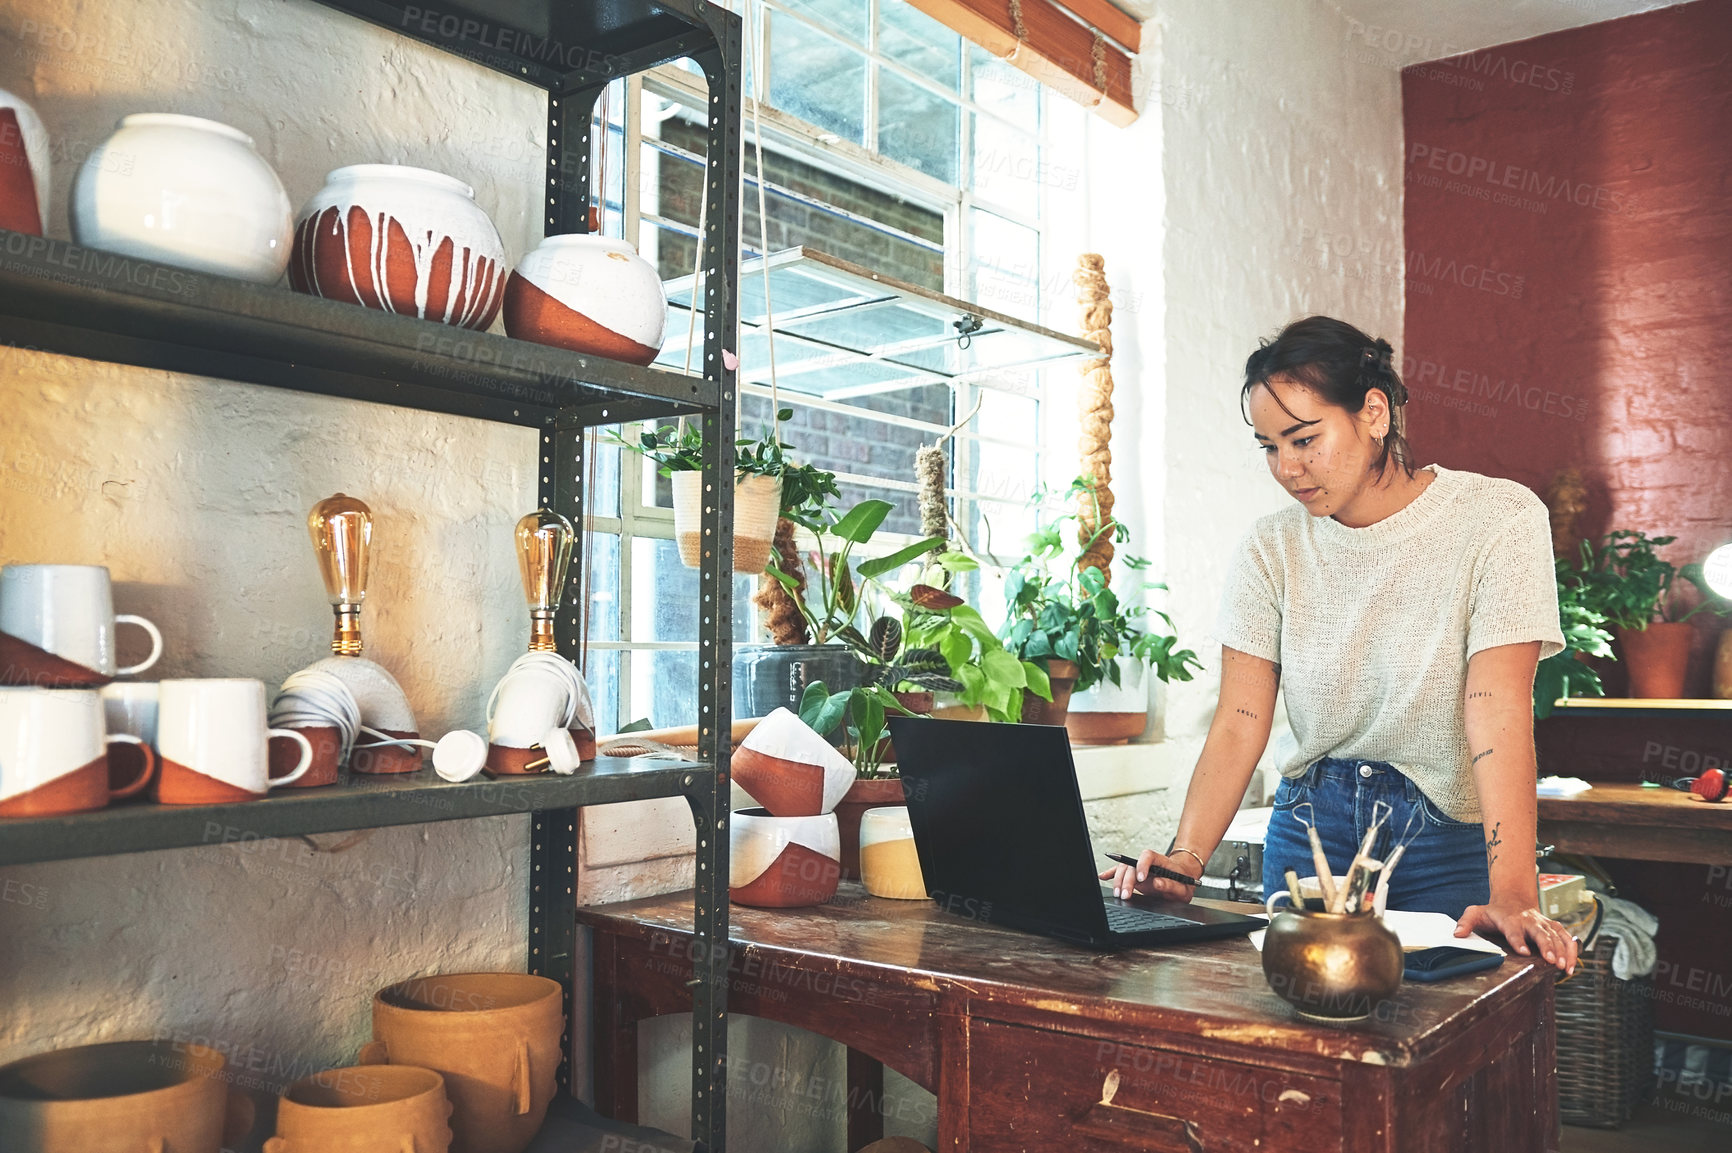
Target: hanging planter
column 757, row 500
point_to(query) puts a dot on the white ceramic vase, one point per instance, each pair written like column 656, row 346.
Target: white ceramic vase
column 184, row 191
column 783, row 862
column 24, row 164
column 590, row 294
column 403, row 240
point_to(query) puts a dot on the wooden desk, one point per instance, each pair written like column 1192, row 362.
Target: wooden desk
column 1016, row 1035
column 1646, row 824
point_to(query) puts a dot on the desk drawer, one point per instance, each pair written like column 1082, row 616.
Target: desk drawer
column 1039, row 1091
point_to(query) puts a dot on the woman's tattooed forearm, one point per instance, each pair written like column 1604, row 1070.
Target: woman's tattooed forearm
column 1479, row 696
column 1478, row 757
column 1491, row 846
column 1247, row 713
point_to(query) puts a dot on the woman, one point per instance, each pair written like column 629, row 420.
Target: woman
column 1403, row 610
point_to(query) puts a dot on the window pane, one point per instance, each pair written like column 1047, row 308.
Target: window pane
column 909, row 36
column 917, row 127
column 1006, row 267
column 1006, row 168
column 604, row 482
column 603, row 580
column 664, row 687
column 846, row 16
column 601, row 670
column 664, row 603
column 998, row 87
column 817, row 78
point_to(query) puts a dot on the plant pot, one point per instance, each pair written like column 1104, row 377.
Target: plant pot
column 184, row 191
column 402, row 240
column 1723, row 666
column 875, row 793
column 1063, row 675
column 1333, row 967
column 1656, row 658
column 757, row 502
column 121, row 1097
column 494, row 1037
column 364, row 1109
column 958, row 712
column 588, row 293
column 771, row 677
column 889, row 864
column 782, row 862
column 789, row 769
column 1110, row 714
column 24, row 167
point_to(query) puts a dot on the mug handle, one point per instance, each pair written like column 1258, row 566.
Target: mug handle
column 155, row 644
column 137, row 786
column 1269, row 905
column 299, row 770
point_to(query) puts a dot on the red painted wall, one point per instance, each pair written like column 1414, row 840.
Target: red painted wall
column 1569, row 269
column 1569, row 303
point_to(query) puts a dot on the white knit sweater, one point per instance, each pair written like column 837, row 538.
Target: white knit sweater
column 1372, row 627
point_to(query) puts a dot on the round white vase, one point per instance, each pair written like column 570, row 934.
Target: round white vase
column 588, row 293
column 400, row 239
column 184, row 191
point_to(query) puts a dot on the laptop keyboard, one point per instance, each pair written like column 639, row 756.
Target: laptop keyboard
column 1130, row 919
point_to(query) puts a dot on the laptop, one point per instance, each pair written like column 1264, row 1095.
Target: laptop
column 999, row 827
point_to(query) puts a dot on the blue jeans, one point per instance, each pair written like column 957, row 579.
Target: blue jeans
column 1443, row 869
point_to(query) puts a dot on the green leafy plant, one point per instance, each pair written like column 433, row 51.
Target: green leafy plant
column 1626, row 581
column 1583, row 624
column 1058, row 611
column 862, row 711
column 680, row 448
column 832, row 601
column 989, row 675
column 898, row 668
column 673, row 448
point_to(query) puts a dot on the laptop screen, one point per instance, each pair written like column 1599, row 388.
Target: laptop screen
column 998, row 821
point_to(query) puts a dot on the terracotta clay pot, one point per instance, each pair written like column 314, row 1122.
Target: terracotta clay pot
column 1063, row 675
column 494, row 1037
column 364, row 1109
column 1723, row 666
column 24, row 167
column 782, row 862
column 403, row 240
column 1656, row 657
column 1104, row 728
column 862, row 795
column 588, row 293
column 120, row 1097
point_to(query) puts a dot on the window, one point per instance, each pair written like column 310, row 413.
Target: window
column 891, row 143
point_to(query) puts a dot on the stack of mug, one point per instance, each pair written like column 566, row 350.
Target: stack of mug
column 72, row 738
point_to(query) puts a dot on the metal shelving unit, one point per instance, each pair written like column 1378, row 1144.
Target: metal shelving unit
column 62, row 298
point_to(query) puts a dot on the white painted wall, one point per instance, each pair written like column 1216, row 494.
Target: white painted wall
column 195, row 492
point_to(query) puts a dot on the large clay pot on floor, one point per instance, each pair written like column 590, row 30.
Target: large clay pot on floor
column 1656, row 658
column 364, row 1109
column 1035, row 711
column 863, row 795
column 120, row 1097
column 494, row 1037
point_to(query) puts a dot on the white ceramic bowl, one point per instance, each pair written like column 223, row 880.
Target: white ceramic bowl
column 184, row 191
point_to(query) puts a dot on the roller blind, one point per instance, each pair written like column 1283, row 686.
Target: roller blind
column 1080, row 48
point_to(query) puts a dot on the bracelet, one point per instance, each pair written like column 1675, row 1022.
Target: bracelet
column 1201, row 867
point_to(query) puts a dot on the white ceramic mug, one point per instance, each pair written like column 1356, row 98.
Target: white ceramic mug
column 214, row 744
column 53, row 753
column 68, row 610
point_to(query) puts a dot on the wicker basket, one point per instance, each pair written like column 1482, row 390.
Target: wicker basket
column 1605, row 1041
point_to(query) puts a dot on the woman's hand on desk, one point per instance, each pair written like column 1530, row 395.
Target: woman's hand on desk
column 1125, row 878
column 1521, row 924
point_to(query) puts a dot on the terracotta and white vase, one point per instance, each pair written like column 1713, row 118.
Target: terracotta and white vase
column 889, row 863
column 588, row 293
column 403, row 240
column 493, row 1037
column 783, row 862
column 121, row 1097
column 757, row 504
column 785, row 766
column 24, row 164
column 184, row 191
column 1110, row 714
column 364, row 1109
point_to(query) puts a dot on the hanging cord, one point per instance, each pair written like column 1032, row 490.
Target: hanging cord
column 601, row 160
column 764, row 238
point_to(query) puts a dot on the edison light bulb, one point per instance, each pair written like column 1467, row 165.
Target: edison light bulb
column 543, row 554
column 341, row 528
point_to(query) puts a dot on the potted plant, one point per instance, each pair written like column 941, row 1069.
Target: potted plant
column 1567, row 674
column 857, row 716
column 678, row 451
column 1063, row 614
column 1627, row 582
column 992, row 680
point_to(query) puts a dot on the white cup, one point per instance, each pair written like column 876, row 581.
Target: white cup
column 214, row 744
column 53, row 753
column 68, row 610
column 130, row 707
